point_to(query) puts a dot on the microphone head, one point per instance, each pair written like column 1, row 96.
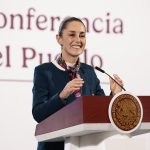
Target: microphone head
column 99, row 69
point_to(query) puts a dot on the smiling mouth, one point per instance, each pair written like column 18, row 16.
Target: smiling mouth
column 76, row 46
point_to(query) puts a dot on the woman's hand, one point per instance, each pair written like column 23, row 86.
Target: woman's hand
column 114, row 87
column 71, row 87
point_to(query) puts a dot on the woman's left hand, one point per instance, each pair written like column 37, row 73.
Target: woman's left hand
column 114, row 87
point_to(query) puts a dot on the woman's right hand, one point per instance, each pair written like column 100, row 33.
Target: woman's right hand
column 71, row 87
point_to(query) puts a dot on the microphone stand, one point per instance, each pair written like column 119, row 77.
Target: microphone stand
column 99, row 69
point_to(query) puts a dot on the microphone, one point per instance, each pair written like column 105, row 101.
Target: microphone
column 101, row 70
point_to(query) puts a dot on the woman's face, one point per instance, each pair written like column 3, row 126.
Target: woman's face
column 73, row 39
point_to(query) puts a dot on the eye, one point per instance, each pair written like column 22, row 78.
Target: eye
column 82, row 35
column 72, row 35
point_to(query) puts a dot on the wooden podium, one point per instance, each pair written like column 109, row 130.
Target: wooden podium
column 84, row 125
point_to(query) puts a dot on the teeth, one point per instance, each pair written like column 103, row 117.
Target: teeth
column 76, row 46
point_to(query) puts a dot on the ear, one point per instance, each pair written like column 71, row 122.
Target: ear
column 59, row 39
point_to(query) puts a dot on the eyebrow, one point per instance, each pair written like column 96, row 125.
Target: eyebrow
column 75, row 31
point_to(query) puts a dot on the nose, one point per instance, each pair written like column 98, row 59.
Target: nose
column 77, row 38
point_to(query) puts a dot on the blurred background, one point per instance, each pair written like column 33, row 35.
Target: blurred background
column 118, row 34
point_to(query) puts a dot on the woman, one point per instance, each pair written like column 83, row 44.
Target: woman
column 60, row 82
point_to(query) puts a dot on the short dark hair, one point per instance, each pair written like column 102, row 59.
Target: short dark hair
column 65, row 22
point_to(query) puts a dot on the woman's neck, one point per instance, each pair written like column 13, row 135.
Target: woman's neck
column 70, row 60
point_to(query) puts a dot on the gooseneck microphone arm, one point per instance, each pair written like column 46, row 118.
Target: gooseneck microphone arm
column 101, row 70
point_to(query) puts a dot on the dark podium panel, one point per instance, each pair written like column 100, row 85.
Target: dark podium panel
column 88, row 114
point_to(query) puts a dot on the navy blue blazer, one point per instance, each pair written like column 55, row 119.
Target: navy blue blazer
column 49, row 81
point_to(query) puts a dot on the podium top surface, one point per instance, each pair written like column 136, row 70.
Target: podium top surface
column 85, row 110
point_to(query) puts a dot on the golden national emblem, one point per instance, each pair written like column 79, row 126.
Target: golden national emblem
column 125, row 112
